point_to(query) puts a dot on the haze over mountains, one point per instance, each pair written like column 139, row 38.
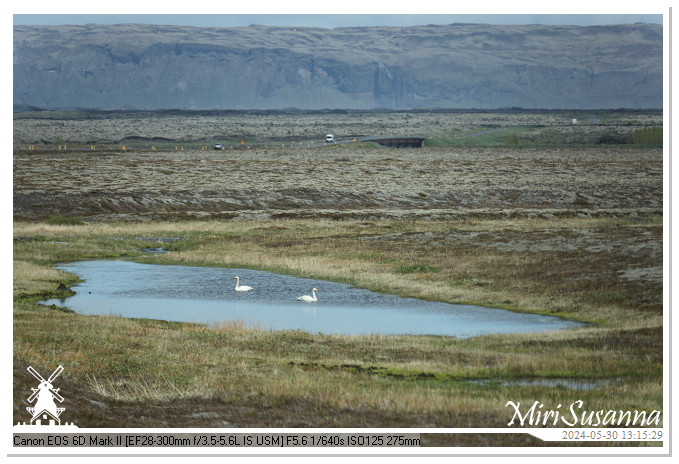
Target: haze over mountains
column 137, row 66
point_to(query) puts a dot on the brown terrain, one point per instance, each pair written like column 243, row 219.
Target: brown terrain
column 491, row 219
column 284, row 170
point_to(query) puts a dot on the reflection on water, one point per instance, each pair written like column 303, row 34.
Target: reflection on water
column 207, row 295
column 566, row 383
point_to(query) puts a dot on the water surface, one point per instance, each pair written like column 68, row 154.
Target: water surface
column 207, row 295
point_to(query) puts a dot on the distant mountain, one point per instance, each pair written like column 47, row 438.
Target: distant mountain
column 139, row 66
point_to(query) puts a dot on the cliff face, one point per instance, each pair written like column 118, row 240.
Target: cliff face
column 453, row 66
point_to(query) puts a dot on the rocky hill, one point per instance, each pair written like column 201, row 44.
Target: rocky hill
column 448, row 66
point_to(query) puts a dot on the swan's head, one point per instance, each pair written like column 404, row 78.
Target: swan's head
column 236, row 277
column 314, row 290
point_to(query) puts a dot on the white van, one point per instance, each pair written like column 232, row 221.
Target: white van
column 329, row 138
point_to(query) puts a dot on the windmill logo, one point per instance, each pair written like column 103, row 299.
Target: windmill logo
column 45, row 410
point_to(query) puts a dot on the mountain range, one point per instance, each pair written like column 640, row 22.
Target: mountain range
column 141, row 66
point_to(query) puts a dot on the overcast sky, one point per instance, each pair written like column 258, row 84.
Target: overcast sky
column 329, row 14
column 332, row 20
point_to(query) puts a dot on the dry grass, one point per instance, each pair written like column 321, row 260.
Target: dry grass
column 463, row 261
column 127, row 360
column 543, row 231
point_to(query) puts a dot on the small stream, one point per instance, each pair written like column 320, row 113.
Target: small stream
column 207, row 295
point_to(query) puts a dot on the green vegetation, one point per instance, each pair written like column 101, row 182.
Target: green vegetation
column 479, row 137
column 417, row 268
column 64, row 220
column 582, row 134
column 648, row 136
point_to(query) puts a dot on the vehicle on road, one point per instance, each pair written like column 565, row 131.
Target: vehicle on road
column 218, row 146
column 329, row 138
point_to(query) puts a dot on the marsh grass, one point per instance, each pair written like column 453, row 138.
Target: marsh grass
column 64, row 220
column 479, row 137
column 416, row 268
column 399, row 379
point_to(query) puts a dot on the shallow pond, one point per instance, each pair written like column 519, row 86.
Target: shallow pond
column 207, row 295
column 566, row 383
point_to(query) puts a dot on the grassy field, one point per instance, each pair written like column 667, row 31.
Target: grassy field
column 575, row 232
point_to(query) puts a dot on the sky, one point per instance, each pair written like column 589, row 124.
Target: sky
column 315, row 13
column 332, row 20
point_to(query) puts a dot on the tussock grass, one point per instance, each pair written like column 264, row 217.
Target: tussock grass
column 32, row 278
column 528, row 264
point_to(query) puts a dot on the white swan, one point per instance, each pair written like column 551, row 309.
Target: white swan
column 308, row 298
column 241, row 288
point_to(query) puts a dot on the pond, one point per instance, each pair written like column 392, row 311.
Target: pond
column 207, row 295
